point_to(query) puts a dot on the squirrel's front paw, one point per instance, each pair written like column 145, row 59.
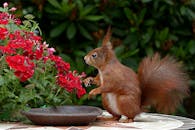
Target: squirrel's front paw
column 88, row 81
column 93, row 93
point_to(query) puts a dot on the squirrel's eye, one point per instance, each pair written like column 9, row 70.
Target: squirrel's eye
column 94, row 55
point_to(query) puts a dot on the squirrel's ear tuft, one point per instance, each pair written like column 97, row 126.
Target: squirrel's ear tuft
column 106, row 40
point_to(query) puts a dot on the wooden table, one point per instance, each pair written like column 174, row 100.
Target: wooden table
column 149, row 121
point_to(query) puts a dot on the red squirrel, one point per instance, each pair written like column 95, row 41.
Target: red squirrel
column 160, row 82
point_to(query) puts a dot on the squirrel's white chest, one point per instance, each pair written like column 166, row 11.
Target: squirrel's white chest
column 112, row 102
column 111, row 97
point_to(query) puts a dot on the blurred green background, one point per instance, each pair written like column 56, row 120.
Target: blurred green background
column 140, row 28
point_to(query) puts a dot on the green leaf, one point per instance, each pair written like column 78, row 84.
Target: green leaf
column 67, row 58
column 29, row 16
column 55, row 3
column 170, row 2
column 119, row 32
column 79, row 53
column 66, row 7
column 2, row 9
column 149, row 51
column 79, row 4
column 80, row 63
column 129, row 53
column 164, row 34
column 183, row 31
column 71, row 31
column 131, row 16
column 158, row 44
column 64, row 2
column 183, row 10
column 2, row 80
column 191, row 13
column 145, row 38
column 186, row 11
column 58, row 30
column 146, row 1
column 119, row 50
column 12, row 27
column 85, row 11
column 53, row 11
column 27, row 23
column 84, row 32
column 93, row 17
column 173, row 37
column 142, row 15
column 191, row 46
column 128, row 13
column 132, row 39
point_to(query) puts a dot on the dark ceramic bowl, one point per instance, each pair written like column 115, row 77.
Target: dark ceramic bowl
column 63, row 115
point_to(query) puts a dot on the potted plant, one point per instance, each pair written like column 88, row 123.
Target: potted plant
column 31, row 75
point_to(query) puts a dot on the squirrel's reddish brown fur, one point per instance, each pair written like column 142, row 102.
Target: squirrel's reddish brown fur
column 160, row 83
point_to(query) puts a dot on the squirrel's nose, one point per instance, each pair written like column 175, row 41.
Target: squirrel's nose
column 85, row 58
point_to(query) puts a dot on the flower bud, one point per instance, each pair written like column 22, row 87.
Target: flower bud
column 5, row 4
column 45, row 45
column 51, row 51
column 13, row 9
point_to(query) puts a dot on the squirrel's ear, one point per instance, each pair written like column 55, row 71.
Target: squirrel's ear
column 106, row 40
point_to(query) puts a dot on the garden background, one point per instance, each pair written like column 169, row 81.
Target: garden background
column 140, row 28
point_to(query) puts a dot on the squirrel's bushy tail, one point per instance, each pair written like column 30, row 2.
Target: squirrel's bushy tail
column 164, row 83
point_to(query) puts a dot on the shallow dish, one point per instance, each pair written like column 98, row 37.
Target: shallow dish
column 63, row 115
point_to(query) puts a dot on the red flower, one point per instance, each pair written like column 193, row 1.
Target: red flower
column 51, row 51
column 62, row 67
column 34, row 52
column 38, row 53
column 4, row 18
column 23, row 67
column 3, row 33
column 16, row 20
column 23, row 76
column 23, row 51
column 26, row 45
column 80, row 92
column 65, row 81
column 29, row 43
column 7, row 50
column 32, row 36
column 70, row 83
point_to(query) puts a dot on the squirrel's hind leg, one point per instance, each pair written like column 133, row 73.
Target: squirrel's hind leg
column 129, row 107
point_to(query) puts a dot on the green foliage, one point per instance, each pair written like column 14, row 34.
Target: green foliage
column 140, row 27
